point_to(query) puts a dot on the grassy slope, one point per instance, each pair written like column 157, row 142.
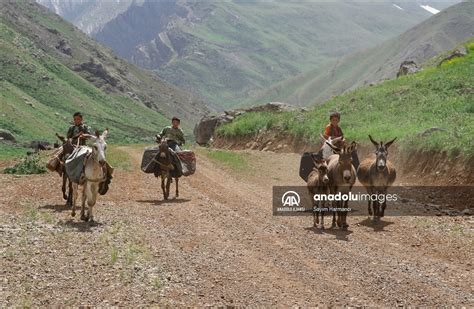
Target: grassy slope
column 436, row 97
column 45, row 30
column 31, row 77
column 39, row 90
column 441, row 32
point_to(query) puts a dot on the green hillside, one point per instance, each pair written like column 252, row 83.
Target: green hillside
column 226, row 51
column 441, row 32
column 440, row 98
column 42, row 85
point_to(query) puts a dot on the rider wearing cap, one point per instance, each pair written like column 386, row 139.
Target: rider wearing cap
column 174, row 135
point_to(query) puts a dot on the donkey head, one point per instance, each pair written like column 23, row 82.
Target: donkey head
column 345, row 159
column 337, row 142
column 321, row 166
column 163, row 148
column 99, row 146
column 381, row 153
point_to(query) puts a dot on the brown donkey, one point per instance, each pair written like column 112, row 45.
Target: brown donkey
column 68, row 148
column 376, row 174
column 165, row 161
column 342, row 176
column 318, row 183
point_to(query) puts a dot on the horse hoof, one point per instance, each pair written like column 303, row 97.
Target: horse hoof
column 84, row 218
column 73, row 214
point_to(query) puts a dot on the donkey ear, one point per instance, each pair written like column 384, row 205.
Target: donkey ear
column 337, row 139
column 373, row 142
column 322, row 138
column 389, row 143
column 97, row 133
column 336, row 149
column 105, row 133
column 353, row 146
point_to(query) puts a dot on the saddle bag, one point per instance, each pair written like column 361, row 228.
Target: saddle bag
column 188, row 162
column 148, row 165
column 306, row 165
column 54, row 163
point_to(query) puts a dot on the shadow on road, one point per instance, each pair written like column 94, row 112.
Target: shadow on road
column 378, row 227
column 161, row 202
column 80, row 226
column 56, row 208
column 340, row 234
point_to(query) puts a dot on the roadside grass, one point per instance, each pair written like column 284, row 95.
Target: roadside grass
column 233, row 160
column 404, row 108
column 118, row 158
column 8, row 152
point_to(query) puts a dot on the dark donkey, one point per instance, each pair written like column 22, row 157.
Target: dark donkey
column 168, row 168
column 68, row 148
column 376, row 174
column 318, row 183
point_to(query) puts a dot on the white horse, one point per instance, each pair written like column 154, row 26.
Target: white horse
column 93, row 175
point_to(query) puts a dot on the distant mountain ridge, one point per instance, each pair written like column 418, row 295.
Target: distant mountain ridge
column 225, row 51
column 439, row 33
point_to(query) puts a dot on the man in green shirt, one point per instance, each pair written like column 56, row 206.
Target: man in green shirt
column 77, row 129
column 174, row 135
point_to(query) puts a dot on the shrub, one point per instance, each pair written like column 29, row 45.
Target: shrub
column 29, row 165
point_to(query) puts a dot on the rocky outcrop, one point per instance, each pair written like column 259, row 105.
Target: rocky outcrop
column 455, row 54
column 204, row 130
column 407, row 67
column 98, row 71
column 6, row 136
column 64, row 47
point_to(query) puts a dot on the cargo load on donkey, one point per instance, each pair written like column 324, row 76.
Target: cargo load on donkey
column 186, row 159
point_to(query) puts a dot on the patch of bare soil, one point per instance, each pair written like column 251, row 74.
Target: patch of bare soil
column 219, row 244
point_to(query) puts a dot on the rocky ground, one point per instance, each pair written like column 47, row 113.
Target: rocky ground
column 219, row 244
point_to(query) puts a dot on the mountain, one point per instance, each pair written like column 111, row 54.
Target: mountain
column 441, row 32
column 226, row 51
column 50, row 69
column 88, row 15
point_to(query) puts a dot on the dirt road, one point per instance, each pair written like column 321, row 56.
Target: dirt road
column 219, row 244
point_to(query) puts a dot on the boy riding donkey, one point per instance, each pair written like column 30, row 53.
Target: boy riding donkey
column 333, row 130
column 77, row 134
column 174, row 137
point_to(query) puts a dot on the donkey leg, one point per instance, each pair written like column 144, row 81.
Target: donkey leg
column 83, row 205
column 177, row 190
column 91, row 200
column 69, row 195
column 168, row 184
column 344, row 217
column 63, row 188
column 163, row 189
column 75, row 188
column 322, row 216
column 376, row 207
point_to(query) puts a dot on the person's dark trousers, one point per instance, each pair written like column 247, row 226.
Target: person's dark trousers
column 174, row 146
